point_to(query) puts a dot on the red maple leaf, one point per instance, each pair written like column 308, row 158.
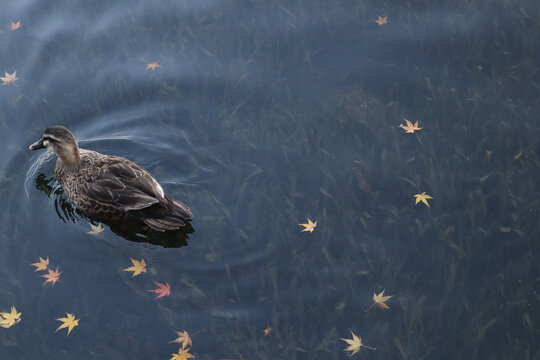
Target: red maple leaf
column 162, row 289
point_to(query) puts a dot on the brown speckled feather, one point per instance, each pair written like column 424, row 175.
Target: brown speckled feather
column 113, row 187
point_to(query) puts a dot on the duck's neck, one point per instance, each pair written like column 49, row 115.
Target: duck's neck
column 70, row 158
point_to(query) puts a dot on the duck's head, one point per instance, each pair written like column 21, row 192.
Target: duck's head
column 60, row 141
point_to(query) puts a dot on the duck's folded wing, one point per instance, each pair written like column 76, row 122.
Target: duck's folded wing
column 126, row 186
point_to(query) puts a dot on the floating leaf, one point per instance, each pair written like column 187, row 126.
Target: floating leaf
column 183, row 338
column 355, row 344
column 41, row 265
column 9, row 78
column 52, row 277
column 183, row 354
column 10, row 318
column 137, row 268
column 152, row 66
column 14, row 26
column 162, row 290
column 379, row 301
column 310, row 226
column 95, row 229
column 68, row 322
column 423, row 197
column 381, row 20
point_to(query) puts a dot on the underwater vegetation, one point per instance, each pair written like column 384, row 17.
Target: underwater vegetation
column 402, row 136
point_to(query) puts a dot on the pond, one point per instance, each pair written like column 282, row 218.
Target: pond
column 260, row 116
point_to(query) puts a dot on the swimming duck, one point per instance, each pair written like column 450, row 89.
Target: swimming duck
column 110, row 188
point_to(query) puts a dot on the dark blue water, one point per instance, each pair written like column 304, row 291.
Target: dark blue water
column 263, row 114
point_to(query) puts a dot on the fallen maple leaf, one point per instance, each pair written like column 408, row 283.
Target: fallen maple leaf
column 52, row 277
column 381, row 20
column 9, row 78
column 68, row 322
column 152, row 66
column 137, row 268
column 14, row 26
column 162, row 289
column 355, row 344
column 423, row 197
column 10, row 318
column 95, row 229
column 183, row 338
column 379, row 301
column 41, row 265
column 410, row 128
column 267, row 331
column 183, row 354
column 310, row 226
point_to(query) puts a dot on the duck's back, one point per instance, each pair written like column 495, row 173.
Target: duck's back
column 106, row 187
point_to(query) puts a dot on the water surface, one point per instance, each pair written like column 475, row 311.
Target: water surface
column 264, row 114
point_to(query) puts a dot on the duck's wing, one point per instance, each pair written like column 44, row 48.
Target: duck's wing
column 124, row 185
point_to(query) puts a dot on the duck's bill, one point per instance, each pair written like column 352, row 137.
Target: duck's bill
column 37, row 145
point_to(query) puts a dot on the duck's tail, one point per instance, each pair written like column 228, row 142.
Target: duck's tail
column 169, row 217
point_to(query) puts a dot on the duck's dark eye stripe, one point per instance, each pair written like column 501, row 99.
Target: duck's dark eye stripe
column 49, row 138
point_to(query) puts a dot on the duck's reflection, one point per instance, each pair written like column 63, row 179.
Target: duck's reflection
column 129, row 231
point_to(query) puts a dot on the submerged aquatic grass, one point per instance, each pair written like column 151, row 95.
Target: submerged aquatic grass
column 277, row 106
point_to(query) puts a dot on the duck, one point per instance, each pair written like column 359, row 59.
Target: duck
column 110, row 188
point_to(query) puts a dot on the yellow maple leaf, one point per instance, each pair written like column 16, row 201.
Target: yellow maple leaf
column 183, row 354
column 267, row 331
column 381, row 20
column 423, row 197
column 310, row 226
column 183, row 338
column 10, row 318
column 95, row 229
column 355, row 344
column 41, row 265
column 68, row 322
column 137, row 268
column 379, row 301
column 9, row 78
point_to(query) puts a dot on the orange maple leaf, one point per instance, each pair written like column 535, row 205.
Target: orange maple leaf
column 381, row 20
column 183, row 338
column 152, row 66
column 14, row 26
column 9, row 78
column 52, row 277
column 410, row 128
